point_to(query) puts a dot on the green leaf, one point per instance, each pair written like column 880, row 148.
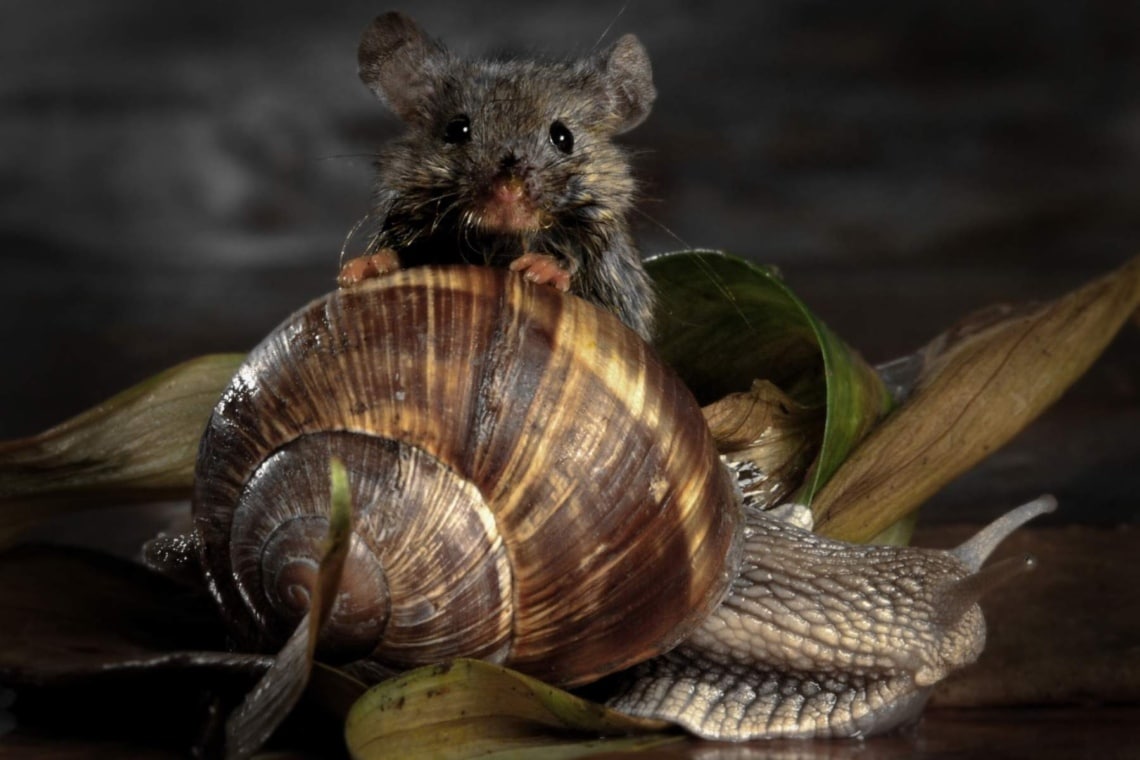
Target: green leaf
column 139, row 445
column 470, row 708
column 724, row 323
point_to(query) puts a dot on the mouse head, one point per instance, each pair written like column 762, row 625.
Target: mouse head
column 408, row 71
column 514, row 145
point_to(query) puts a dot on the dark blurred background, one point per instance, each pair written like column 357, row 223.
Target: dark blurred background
column 176, row 178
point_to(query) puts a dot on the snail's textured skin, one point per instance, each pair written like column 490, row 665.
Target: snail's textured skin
column 816, row 638
column 479, row 531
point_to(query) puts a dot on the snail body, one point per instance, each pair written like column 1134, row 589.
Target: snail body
column 820, row 638
column 533, row 487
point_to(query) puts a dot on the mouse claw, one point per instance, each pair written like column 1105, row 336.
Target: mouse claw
column 362, row 268
column 542, row 269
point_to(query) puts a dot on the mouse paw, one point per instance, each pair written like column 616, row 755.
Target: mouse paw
column 362, row 268
column 542, row 269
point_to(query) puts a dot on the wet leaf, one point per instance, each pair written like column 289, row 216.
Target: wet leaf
column 67, row 614
column 474, row 709
column 99, row 646
column 77, row 625
column 139, row 445
column 979, row 384
column 724, row 323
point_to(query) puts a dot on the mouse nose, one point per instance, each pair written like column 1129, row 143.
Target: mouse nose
column 509, row 189
column 510, row 161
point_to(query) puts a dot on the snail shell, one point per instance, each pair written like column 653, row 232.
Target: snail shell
column 533, row 487
column 530, row 484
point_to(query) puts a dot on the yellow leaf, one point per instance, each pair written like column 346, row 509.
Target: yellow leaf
column 980, row 384
column 470, row 708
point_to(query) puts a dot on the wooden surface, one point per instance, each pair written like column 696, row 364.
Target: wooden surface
column 177, row 179
column 1042, row 734
column 1011, row 734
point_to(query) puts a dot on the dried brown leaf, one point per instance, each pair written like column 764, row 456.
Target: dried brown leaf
column 981, row 383
column 140, row 445
column 768, row 438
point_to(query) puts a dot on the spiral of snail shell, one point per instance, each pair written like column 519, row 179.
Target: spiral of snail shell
column 530, row 485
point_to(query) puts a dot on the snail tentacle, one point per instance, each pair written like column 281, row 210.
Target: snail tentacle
column 974, row 551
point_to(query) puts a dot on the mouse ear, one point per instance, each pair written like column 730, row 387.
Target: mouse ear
column 628, row 81
column 397, row 61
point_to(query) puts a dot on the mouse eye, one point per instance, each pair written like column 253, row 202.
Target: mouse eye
column 561, row 137
column 458, row 130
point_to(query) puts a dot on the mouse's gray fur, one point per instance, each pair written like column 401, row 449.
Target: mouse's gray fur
column 432, row 193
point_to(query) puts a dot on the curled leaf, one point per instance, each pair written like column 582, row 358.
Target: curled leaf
column 724, row 323
column 67, row 614
column 739, row 420
column 767, row 438
column 979, row 384
column 470, row 708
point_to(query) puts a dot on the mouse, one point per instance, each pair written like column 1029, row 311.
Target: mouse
column 508, row 161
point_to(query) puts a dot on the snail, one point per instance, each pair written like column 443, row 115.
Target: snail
column 533, row 487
